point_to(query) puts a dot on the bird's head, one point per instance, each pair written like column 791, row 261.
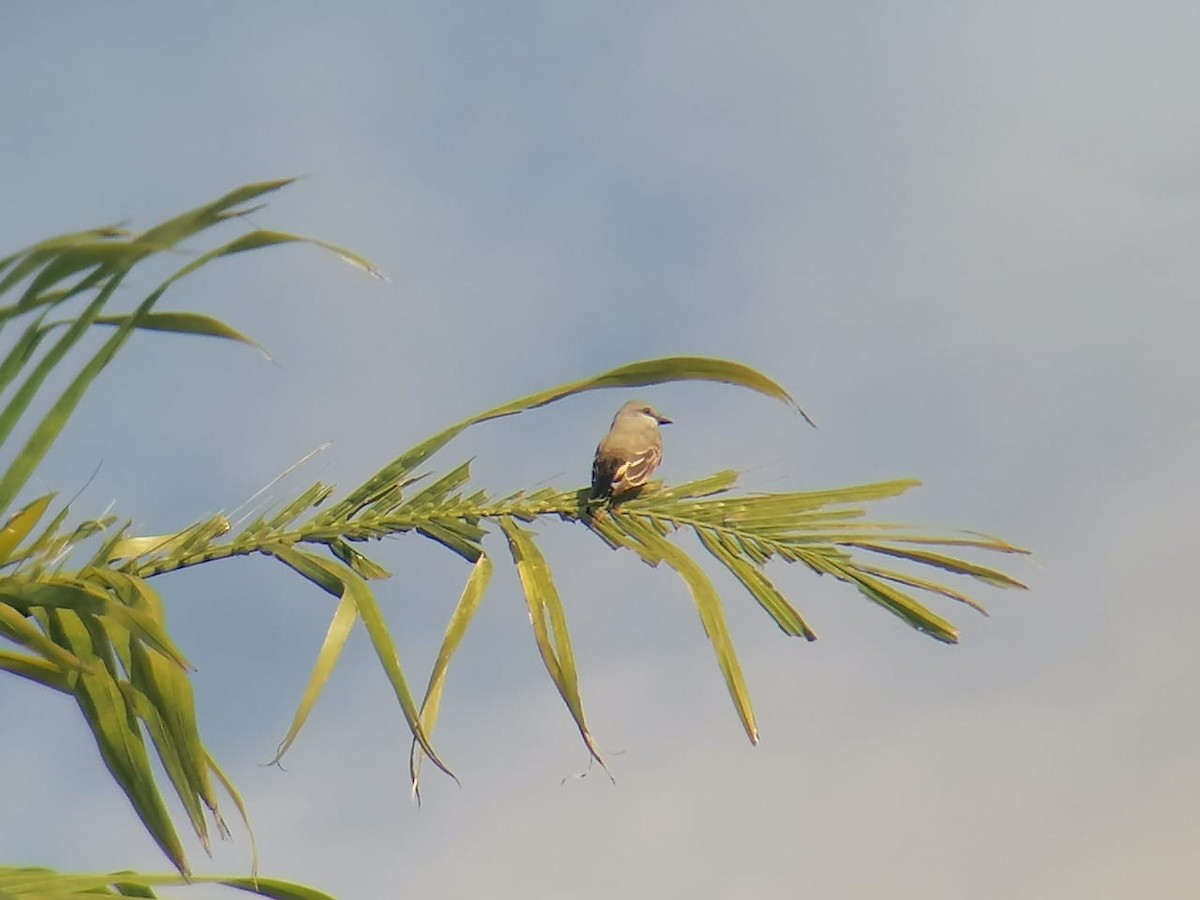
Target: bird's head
column 644, row 410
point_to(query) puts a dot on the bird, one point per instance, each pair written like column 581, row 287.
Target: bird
column 630, row 452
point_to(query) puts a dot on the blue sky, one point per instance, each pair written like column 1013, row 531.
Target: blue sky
column 964, row 238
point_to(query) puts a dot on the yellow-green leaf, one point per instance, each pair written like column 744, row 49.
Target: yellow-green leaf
column 20, row 524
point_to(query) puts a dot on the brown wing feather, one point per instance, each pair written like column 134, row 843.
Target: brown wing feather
column 635, row 472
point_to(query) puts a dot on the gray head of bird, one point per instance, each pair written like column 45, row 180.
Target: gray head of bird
column 642, row 410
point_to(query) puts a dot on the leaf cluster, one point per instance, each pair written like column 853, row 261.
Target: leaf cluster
column 88, row 630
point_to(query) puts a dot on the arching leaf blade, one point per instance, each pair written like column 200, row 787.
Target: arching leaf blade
column 639, row 374
column 257, row 240
column 188, row 323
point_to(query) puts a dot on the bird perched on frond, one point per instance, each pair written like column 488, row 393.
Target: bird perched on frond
column 630, row 452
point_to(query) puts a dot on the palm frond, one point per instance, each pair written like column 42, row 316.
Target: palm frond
column 96, row 631
column 826, row 531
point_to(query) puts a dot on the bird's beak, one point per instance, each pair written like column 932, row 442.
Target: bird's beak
column 663, row 420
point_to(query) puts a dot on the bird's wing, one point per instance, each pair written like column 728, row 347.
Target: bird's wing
column 634, row 472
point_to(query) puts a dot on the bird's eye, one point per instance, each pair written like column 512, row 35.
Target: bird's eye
column 647, row 410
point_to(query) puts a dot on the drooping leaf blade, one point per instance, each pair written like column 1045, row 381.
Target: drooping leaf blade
column 553, row 642
column 712, row 616
column 456, row 629
column 760, row 587
column 340, row 626
column 116, row 730
column 339, row 580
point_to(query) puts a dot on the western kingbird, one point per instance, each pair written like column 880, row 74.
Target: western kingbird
column 630, row 452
